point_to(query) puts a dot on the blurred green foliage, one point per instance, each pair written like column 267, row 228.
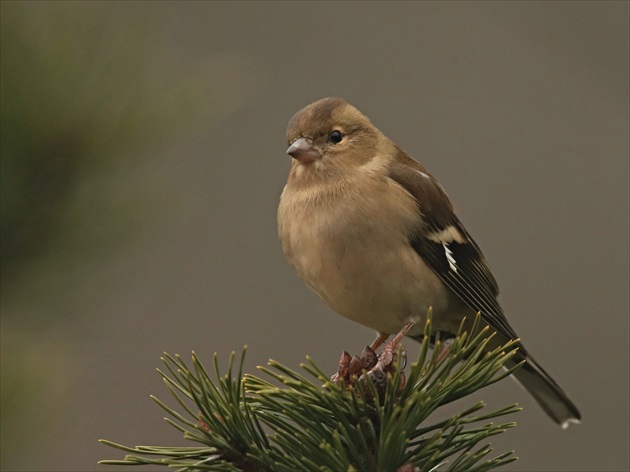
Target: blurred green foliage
column 89, row 92
column 83, row 88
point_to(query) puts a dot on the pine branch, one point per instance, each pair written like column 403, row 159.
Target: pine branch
column 305, row 422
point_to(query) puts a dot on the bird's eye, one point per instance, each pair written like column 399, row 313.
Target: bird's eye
column 336, row 137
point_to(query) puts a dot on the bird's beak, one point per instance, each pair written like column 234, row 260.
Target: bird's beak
column 303, row 150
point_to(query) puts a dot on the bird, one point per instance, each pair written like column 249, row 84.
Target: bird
column 374, row 234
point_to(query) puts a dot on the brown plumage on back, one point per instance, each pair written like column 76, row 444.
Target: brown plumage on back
column 375, row 236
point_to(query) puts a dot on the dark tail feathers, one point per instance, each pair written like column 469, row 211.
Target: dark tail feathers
column 547, row 393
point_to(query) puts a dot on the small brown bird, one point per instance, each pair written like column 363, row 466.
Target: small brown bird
column 369, row 230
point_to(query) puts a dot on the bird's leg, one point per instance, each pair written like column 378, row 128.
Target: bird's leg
column 389, row 352
column 378, row 342
column 444, row 347
column 402, row 333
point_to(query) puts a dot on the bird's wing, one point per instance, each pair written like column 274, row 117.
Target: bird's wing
column 443, row 243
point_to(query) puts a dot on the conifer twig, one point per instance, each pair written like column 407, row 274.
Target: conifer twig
column 305, row 422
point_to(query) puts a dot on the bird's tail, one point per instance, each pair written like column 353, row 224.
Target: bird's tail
column 547, row 393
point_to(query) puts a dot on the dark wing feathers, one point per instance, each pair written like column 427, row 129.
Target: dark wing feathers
column 445, row 245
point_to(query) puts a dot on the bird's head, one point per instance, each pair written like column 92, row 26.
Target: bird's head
column 331, row 135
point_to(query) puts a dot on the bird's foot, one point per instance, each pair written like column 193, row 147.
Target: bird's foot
column 378, row 342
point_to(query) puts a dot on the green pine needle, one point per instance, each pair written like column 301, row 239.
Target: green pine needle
column 306, row 422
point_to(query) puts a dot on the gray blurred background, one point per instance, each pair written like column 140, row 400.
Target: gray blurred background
column 143, row 155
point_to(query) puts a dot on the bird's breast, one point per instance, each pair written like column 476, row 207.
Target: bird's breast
column 351, row 247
